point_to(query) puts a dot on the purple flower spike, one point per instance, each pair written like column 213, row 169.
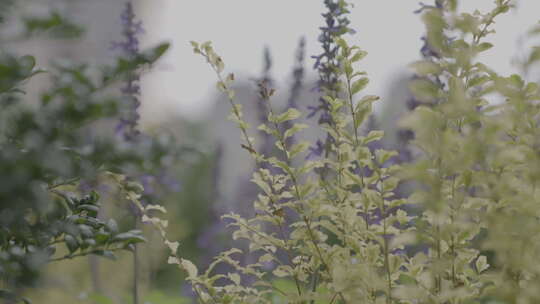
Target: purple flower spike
column 132, row 28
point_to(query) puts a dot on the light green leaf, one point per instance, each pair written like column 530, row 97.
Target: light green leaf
column 290, row 114
column 481, row 264
column 283, row 271
column 234, row 277
column 425, row 67
column 484, row 46
column 299, row 148
column 359, row 55
column 424, row 89
column 190, row 268
column 373, row 136
column 359, row 85
column 294, row 129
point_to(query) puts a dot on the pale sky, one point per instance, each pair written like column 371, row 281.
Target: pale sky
column 239, row 29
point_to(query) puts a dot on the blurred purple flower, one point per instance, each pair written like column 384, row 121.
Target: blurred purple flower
column 131, row 29
column 315, row 151
column 423, row 6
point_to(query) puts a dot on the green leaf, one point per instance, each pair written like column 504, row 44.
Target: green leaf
column 290, row 114
column 71, row 243
column 534, row 56
column 425, row 67
column 384, row 155
column 358, row 56
column 86, row 231
column 480, row 80
column 481, row 264
column 158, row 51
column 368, row 99
column 406, row 279
column 359, row 85
column 484, row 46
column 129, row 238
column 373, row 136
column 283, row 271
column 235, row 278
column 297, row 127
column 27, row 64
column 55, row 25
column 190, row 268
column 102, row 236
column 362, row 113
column 112, row 226
column 91, row 209
column 299, row 148
column 516, row 81
column 424, row 90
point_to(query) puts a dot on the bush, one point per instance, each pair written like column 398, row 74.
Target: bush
column 451, row 219
column 337, row 229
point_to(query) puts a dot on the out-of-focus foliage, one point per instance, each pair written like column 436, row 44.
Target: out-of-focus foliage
column 50, row 160
column 55, row 25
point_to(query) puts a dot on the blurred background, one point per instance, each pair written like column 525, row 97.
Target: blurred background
column 257, row 39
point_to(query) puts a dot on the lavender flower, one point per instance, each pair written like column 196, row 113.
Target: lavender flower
column 423, row 6
column 336, row 25
column 316, row 151
column 132, row 28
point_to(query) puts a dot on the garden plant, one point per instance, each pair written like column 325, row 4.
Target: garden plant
column 450, row 219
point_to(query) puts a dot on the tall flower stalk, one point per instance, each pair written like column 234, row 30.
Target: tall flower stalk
column 131, row 29
column 326, row 63
column 128, row 124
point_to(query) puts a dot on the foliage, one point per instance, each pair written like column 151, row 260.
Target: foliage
column 329, row 227
column 345, row 237
column 53, row 160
